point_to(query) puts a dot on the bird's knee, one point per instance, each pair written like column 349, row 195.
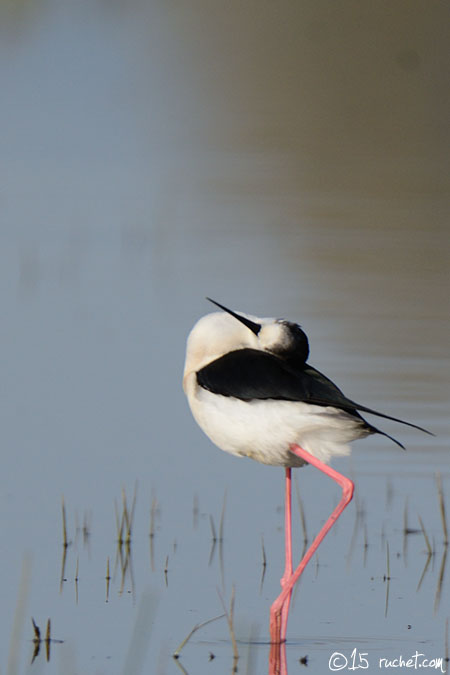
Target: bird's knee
column 348, row 488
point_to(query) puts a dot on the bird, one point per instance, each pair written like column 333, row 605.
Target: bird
column 252, row 391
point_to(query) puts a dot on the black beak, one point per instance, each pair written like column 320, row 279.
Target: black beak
column 254, row 327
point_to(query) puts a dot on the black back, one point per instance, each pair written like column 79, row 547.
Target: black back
column 252, row 374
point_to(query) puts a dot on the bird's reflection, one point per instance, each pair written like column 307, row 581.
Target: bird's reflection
column 277, row 659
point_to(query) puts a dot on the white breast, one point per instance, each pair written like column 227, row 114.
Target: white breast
column 264, row 430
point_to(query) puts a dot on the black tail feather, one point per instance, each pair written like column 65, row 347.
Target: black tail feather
column 354, row 408
column 363, row 408
column 374, row 430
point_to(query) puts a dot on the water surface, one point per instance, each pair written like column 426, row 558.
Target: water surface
column 287, row 160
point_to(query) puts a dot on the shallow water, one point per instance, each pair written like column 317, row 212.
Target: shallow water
column 294, row 165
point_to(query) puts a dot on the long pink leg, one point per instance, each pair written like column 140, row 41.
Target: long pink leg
column 287, row 547
column 278, row 615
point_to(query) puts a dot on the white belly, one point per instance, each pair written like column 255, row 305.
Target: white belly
column 264, row 430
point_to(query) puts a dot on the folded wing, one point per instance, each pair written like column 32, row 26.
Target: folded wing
column 250, row 374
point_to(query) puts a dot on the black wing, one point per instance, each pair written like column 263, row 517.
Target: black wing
column 250, row 374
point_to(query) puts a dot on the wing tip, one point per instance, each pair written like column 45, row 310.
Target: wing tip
column 370, row 411
column 374, row 430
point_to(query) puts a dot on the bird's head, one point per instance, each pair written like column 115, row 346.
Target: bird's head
column 218, row 333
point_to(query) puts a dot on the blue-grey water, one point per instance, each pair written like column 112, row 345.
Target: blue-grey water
column 286, row 159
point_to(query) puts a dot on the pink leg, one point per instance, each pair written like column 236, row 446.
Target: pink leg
column 288, row 549
column 278, row 614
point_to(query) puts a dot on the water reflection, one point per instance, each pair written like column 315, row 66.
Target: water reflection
column 38, row 641
column 277, row 659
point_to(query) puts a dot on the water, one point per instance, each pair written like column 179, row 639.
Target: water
column 290, row 163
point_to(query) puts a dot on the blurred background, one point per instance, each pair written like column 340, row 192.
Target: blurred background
column 287, row 159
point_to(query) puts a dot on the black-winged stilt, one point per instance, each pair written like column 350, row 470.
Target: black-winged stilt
column 251, row 390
